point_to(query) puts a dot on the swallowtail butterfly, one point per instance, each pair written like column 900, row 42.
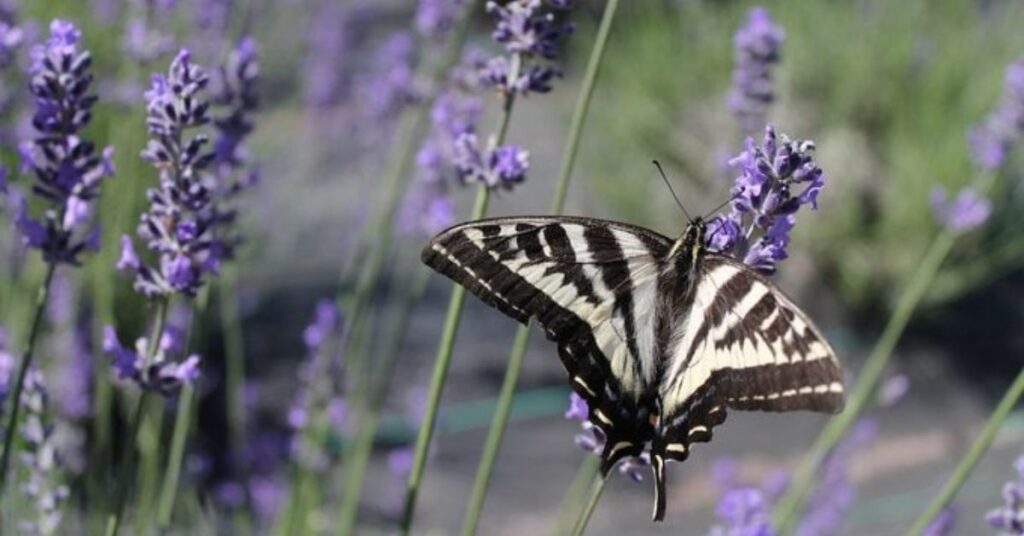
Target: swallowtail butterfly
column 660, row 337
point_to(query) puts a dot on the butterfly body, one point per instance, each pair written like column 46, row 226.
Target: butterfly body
column 659, row 337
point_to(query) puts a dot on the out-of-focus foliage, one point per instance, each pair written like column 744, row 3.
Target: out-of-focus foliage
column 888, row 91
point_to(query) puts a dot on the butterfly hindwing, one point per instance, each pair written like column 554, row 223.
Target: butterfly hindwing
column 592, row 285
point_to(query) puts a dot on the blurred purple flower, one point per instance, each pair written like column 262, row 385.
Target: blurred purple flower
column 400, row 462
column 892, row 390
column 181, row 224
column 268, row 495
column 164, row 373
column 319, row 381
column 742, row 511
column 324, row 75
column 44, row 488
column 7, row 363
column 758, row 44
column 943, row 524
column 835, row 493
column 776, row 178
column 964, row 213
column 143, row 43
column 1009, row 519
column 434, row 18
column 67, row 169
column 11, row 39
column 991, row 141
column 71, row 347
column 529, row 36
column 391, row 83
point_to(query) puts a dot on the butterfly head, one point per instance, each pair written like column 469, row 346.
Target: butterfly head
column 691, row 243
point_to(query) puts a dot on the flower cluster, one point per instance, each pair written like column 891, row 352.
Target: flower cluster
column 494, row 166
column 591, row 439
column 743, row 511
column 324, row 78
column 531, row 38
column 991, row 141
column 758, row 44
column 71, row 345
column 44, row 487
column 962, row 214
column 1009, row 519
column 67, row 169
column 180, row 226
column 316, row 387
column 160, row 372
column 776, row 179
column 11, row 38
column 143, row 42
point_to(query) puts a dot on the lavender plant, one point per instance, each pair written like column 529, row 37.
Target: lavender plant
column 758, row 48
column 68, row 173
column 45, row 488
column 1009, row 518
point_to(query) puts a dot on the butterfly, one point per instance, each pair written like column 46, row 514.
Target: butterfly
column 660, row 337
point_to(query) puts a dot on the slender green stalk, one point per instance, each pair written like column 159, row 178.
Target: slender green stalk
column 574, row 496
column 234, row 357
column 792, row 502
column 128, row 467
column 19, row 384
column 169, row 486
column 977, row 450
column 595, row 495
column 508, row 388
column 368, row 412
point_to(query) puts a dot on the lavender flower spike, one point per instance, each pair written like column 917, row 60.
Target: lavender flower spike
column 964, row 213
column 1009, row 519
column 743, row 511
column 531, row 38
column 775, row 179
column 758, row 45
column 179, row 227
column 67, row 169
column 164, row 374
column 316, row 377
column 44, row 488
column 991, row 141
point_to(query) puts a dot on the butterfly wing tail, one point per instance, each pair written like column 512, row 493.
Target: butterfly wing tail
column 658, row 469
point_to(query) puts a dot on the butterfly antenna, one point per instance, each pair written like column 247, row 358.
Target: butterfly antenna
column 719, row 207
column 669, row 184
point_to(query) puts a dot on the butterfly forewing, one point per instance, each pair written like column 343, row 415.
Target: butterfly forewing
column 591, row 284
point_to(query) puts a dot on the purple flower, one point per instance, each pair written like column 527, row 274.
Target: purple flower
column 67, row 170
column 11, row 39
column 495, row 167
column 757, row 49
column 530, row 37
column 775, row 179
column 144, row 43
column 965, row 213
column 316, row 401
column 391, row 84
column 324, row 77
column 7, row 363
column 164, row 373
column 892, row 390
column 434, row 18
column 943, row 524
column 181, row 225
column 742, row 511
column 991, row 141
column 1009, row 519
column 44, row 488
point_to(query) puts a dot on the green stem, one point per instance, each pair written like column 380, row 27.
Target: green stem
column 967, row 464
column 496, row 433
column 574, row 496
column 234, row 356
column 437, row 381
column 508, row 388
column 10, row 431
column 169, row 487
column 791, row 504
column 368, row 412
column 595, row 495
column 138, row 418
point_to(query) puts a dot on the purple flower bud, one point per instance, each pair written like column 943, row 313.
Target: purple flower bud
column 965, row 213
column 578, row 410
column 991, row 141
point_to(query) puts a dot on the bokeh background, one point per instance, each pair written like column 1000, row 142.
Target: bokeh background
column 887, row 90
